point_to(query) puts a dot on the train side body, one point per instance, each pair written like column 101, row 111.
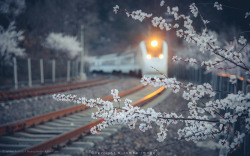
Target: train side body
column 149, row 66
column 133, row 61
column 127, row 62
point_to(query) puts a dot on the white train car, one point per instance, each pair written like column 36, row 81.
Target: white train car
column 141, row 60
column 154, row 56
column 127, row 62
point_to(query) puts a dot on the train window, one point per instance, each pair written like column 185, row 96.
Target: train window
column 127, row 60
column 109, row 62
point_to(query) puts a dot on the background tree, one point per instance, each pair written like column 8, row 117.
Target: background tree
column 63, row 44
column 10, row 37
column 9, row 40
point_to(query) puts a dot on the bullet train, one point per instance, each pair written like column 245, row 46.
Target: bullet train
column 143, row 60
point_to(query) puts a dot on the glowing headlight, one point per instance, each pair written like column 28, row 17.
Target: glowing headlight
column 154, row 43
column 148, row 56
column 161, row 56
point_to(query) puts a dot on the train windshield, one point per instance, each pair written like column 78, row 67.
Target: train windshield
column 154, row 48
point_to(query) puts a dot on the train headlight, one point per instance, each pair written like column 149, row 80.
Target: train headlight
column 161, row 56
column 148, row 56
column 154, row 43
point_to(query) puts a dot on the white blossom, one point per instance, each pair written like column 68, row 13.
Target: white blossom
column 175, row 58
column 191, row 61
column 224, row 143
column 93, row 130
column 208, row 64
column 127, row 14
column 179, row 33
column 242, row 40
column 116, row 8
column 233, row 79
column 115, row 92
column 176, row 25
column 194, row 9
column 175, row 9
column 162, row 3
column 206, row 21
column 237, row 140
column 218, row 6
column 247, row 14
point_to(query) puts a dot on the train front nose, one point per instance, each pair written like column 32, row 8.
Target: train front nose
column 154, row 58
column 153, row 65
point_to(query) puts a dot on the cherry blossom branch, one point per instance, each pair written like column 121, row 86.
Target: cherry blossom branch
column 228, row 59
column 119, row 108
column 159, row 72
column 139, row 15
column 215, row 52
column 236, row 105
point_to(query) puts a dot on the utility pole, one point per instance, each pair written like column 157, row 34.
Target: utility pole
column 168, row 20
column 82, row 73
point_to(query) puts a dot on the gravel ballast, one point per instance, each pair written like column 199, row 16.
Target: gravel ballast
column 17, row 110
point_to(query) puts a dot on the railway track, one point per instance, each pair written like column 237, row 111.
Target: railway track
column 14, row 95
column 47, row 133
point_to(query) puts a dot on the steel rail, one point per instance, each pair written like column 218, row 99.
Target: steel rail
column 46, row 88
column 61, row 89
column 17, row 126
column 74, row 134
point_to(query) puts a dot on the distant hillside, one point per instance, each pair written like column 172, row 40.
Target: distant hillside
column 105, row 32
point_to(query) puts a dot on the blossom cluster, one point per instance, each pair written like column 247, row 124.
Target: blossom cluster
column 192, row 92
column 136, row 15
column 242, row 40
column 128, row 114
column 116, row 8
column 139, row 15
column 208, row 64
column 233, row 79
column 162, row 3
column 191, row 61
column 159, row 21
column 171, row 83
column 194, row 9
column 115, row 92
column 218, row 6
column 237, row 105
